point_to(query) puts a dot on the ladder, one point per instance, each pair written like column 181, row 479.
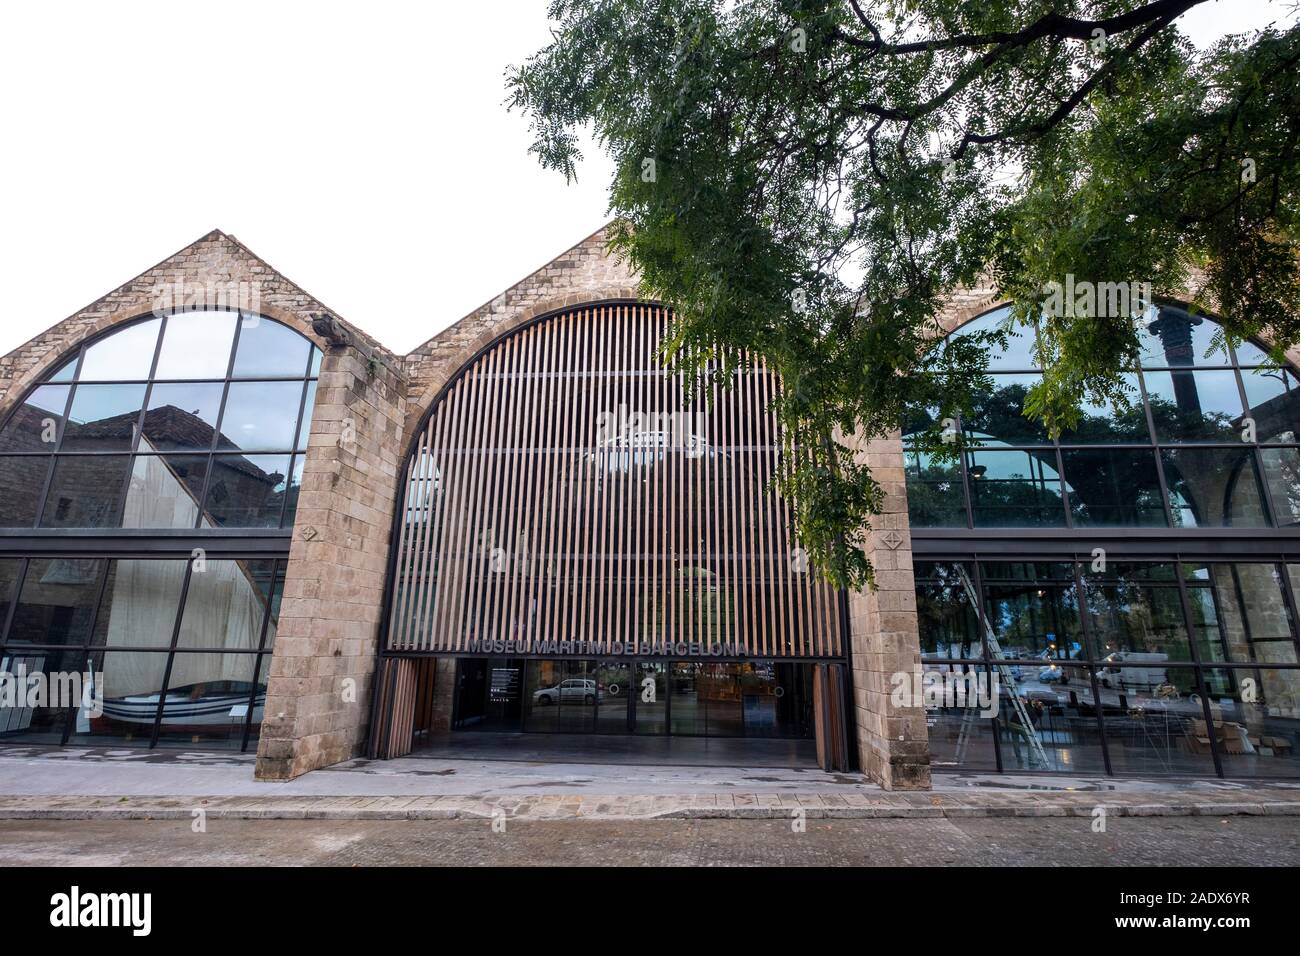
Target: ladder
column 1004, row 673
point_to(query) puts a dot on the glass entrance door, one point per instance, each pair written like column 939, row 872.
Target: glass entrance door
column 650, row 705
column 615, row 689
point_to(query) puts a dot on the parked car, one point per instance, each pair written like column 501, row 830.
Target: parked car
column 569, row 691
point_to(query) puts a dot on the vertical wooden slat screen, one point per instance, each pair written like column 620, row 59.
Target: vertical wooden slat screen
column 561, row 490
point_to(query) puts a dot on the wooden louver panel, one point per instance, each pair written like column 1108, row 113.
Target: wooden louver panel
column 561, row 491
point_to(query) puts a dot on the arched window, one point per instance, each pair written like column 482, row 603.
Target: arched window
column 1208, row 439
column 196, row 420
column 149, row 485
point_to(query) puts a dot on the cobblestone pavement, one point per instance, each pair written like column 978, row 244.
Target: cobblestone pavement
column 1252, row 841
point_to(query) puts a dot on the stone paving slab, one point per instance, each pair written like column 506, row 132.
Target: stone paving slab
column 1258, row 802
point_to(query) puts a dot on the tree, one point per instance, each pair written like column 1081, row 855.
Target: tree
column 807, row 182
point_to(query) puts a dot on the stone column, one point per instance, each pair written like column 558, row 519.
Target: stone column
column 318, row 696
column 893, row 746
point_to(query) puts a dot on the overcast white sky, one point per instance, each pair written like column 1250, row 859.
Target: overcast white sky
column 360, row 148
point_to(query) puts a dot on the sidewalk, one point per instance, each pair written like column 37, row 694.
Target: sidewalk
column 107, row 783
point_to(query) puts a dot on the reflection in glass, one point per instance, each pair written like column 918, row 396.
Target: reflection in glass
column 935, row 498
column 1154, row 721
column 1018, row 351
column 57, row 601
column 1274, row 399
column 1282, row 474
column 260, row 416
column 1195, row 405
column 164, row 491
column 43, row 719
column 1050, row 724
column 182, row 417
column 1103, row 424
column 23, row 479
column 1112, row 488
column 1256, row 716
column 1251, row 623
column 946, row 617
column 1033, row 610
column 86, row 492
column 1015, row 489
column 247, row 491
column 103, row 418
column 1133, row 619
column 998, row 416
column 37, row 423
column 1213, row 487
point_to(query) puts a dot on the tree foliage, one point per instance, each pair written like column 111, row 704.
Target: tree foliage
column 808, row 182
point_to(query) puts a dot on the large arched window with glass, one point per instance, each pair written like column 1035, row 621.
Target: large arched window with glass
column 151, row 481
column 1208, row 440
column 1129, row 590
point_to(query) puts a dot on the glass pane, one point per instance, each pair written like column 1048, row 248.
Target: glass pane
column 124, row 355
column 577, row 697
column 140, row 603
column 1256, row 715
column 688, row 707
column 259, row 702
column 1195, row 406
column 1033, row 610
column 304, row 432
column 37, row 422
column 23, row 480
column 719, row 686
column 182, row 417
column 1274, row 399
column 1018, row 353
column 10, row 571
column 1015, row 489
column 1213, row 487
column 998, row 416
column 130, row 683
column 247, row 491
column 1154, row 721
column 1049, row 724
column 949, row 626
column 1106, row 423
column 42, row 719
column 1173, row 339
column 934, row 493
column 268, row 349
column 277, row 596
column 86, row 492
column 65, row 372
column 777, row 699
column 541, row 696
column 225, row 605
column 613, row 683
column 1282, row 472
column 317, row 357
column 261, row 416
column 57, row 601
column 291, row 493
column 651, row 698
column 103, row 418
column 164, row 491
column 1113, row 488
column 207, row 699
column 1253, row 624
column 1134, row 622
column 197, row 345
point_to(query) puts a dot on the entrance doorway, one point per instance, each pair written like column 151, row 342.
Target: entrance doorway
column 749, row 699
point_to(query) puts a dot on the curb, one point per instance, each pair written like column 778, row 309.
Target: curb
column 685, row 813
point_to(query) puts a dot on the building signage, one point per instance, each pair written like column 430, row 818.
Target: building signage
column 599, row 649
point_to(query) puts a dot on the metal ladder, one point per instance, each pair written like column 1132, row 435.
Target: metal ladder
column 1004, row 673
